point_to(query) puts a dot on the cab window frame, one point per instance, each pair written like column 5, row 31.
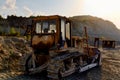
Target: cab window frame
column 43, row 29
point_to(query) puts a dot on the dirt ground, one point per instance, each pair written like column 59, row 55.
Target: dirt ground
column 110, row 69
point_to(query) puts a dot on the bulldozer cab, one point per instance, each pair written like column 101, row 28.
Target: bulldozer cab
column 50, row 31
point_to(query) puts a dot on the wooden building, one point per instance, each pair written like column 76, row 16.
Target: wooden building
column 108, row 43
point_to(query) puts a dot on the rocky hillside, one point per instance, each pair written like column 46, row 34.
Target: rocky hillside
column 96, row 27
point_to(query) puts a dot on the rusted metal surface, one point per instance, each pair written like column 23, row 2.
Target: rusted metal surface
column 43, row 41
column 91, row 50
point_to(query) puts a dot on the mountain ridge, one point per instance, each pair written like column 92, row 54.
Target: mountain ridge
column 96, row 27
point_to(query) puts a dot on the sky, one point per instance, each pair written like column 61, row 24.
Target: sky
column 106, row 9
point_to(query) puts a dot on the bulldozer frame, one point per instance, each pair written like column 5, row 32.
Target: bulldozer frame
column 57, row 51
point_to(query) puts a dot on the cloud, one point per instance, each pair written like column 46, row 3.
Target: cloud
column 38, row 13
column 27, row 11
column 9, row 4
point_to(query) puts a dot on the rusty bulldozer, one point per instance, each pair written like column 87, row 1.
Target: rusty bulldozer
column 57, row 51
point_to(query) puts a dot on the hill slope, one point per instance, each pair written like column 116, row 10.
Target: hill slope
column 96, row 27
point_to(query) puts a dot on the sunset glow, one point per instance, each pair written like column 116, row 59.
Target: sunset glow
column 106, row 9
column 101, row 7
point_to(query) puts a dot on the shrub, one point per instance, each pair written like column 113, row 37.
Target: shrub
column 13, row 32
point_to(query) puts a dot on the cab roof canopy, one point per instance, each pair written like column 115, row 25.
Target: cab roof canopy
column 50, row 17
